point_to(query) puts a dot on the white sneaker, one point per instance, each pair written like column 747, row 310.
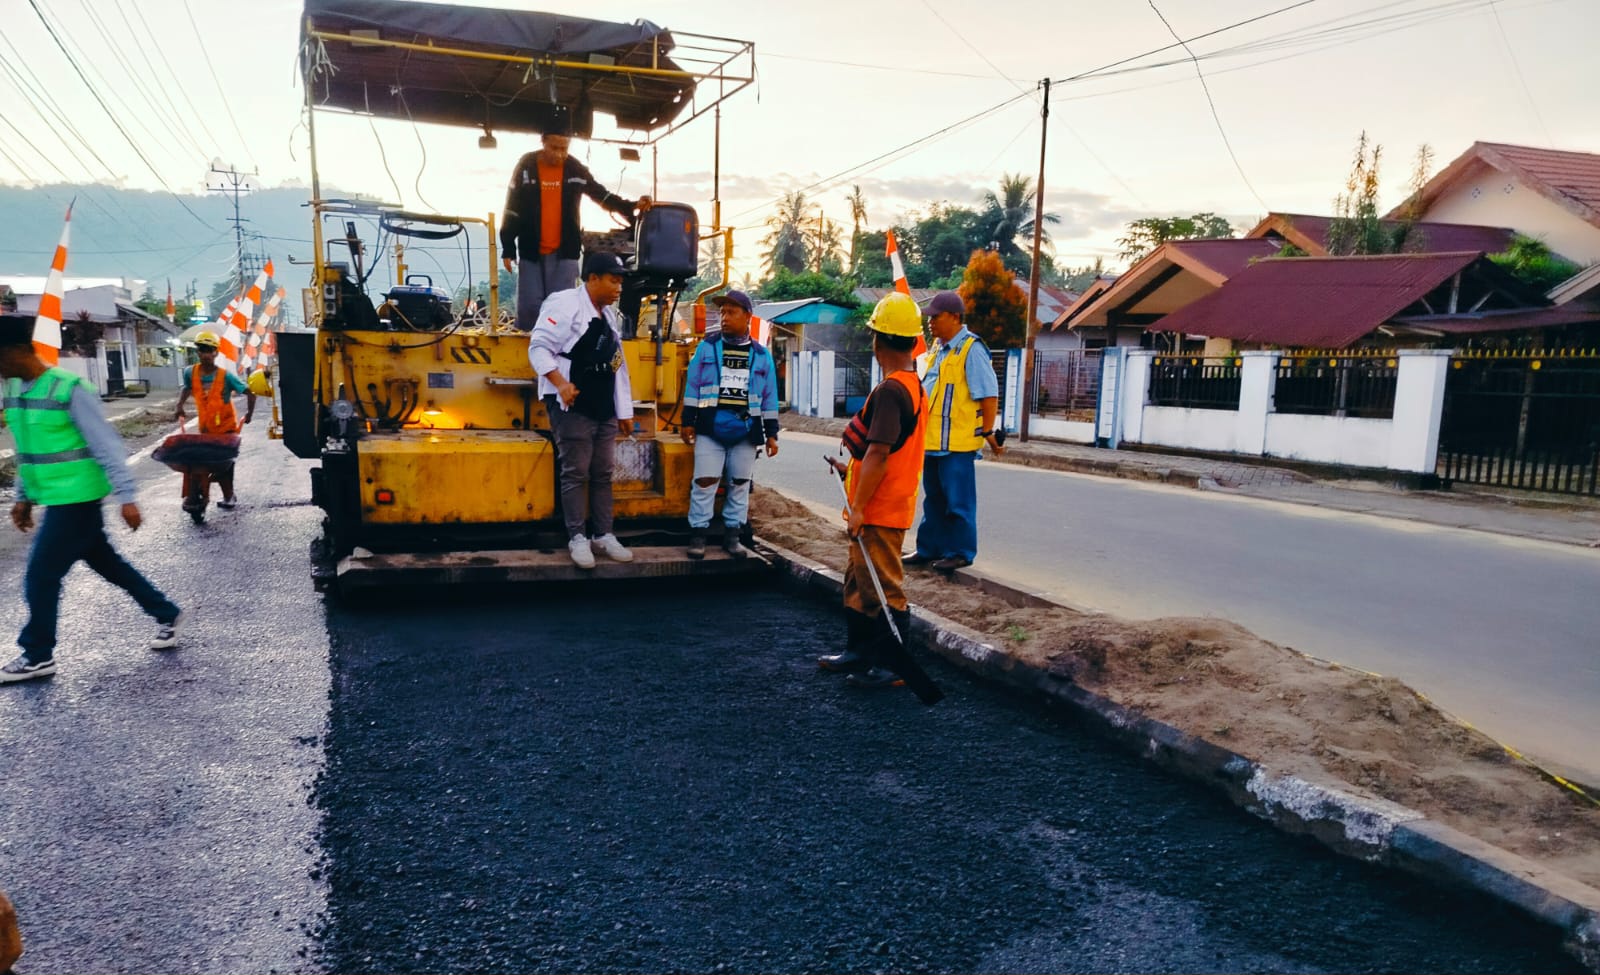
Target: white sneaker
column 582, row 555
column 613, row 549
column 167, row 635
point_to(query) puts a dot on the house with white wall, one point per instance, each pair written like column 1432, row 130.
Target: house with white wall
column 1549, row 194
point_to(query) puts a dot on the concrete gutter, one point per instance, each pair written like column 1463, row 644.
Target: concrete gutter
column 1357, row 826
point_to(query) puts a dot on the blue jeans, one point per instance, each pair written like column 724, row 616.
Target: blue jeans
column 949, row 506
column 711, row 461
column 68, row 533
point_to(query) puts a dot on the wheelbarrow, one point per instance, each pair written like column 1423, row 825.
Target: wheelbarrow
column 199, row 457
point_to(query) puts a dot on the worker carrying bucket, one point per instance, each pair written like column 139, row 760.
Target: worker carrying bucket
column 885, row 444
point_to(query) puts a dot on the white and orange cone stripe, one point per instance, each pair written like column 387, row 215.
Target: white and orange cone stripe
column 227, row 344
column 239, row 322
column 47, row 324
column 902, row 285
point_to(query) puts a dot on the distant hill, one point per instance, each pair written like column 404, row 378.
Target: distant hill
column 150, row 236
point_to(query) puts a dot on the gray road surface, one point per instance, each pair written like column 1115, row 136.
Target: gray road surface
column 1504, row 632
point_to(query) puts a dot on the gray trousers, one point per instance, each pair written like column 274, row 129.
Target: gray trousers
column 588, row 450
column 537, row 279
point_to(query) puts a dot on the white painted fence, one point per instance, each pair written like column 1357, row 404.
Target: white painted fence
column 1409, row 441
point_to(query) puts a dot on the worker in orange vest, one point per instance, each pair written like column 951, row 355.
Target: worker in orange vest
column 885, row 443
column 213, row 389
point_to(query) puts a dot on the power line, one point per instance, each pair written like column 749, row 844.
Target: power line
column 103, row 107
column 888, row 67
column 1209, row 101
column 166, row 63
column 910, row 145
column 1526, row 93
column 169, row 116
column 214, row 80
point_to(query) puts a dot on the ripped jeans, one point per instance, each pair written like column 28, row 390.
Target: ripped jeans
column 711, row 461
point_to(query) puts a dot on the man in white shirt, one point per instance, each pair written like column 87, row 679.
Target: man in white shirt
column 576, row 351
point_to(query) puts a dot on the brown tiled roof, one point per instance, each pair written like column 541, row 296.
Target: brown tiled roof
column 1571, row 180
column 1315, row 302
column 1212, row 261
column 1310, row 234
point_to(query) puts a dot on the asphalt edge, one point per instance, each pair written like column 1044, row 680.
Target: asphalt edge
column 1361, row 827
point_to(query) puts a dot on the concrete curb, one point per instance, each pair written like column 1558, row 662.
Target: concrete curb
column 1357, row 826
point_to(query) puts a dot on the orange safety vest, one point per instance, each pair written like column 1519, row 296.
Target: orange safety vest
column 214, row 407
column 894, row 504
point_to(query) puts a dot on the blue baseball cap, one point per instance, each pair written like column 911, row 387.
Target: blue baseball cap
column 738, row 298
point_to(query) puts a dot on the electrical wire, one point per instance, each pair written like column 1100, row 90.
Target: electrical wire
column 1209, row 101
column 214, row 80
column 135, row 146
column 167, row 63
column 1517, row 67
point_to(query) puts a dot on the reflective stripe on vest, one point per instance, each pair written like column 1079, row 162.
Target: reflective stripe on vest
column 954, row 422
column 53, row 459
column 894, row 503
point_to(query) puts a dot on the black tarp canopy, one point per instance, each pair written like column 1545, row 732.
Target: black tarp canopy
column 542, row 71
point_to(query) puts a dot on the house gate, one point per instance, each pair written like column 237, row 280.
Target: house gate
column 1523, row 419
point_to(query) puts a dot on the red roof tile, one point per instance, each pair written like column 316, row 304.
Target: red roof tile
column 1315, row 302
column 1574, row 175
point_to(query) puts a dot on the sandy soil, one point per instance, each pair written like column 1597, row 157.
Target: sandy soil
column 1291, row 712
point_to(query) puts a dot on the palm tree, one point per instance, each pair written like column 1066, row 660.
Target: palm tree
column 1009, row 214
column 826, row 243
column 786, row 243
column 858, row 217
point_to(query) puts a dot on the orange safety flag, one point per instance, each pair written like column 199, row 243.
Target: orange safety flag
column 759, row 330
column 904, row 287
column 172, row 309
column 47, row 324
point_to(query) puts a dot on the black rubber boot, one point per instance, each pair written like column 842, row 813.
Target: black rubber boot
column 859, row 632
column 697, row 544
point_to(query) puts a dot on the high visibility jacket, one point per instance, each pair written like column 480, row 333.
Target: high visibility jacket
column 53, row 458
column 954, row 419
column 894, row 503
column 213, row 406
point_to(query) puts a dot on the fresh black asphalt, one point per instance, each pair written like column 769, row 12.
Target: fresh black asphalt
column 664, row 782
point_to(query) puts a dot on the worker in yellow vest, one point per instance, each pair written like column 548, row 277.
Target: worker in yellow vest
column 963, row 399
column 69, row 457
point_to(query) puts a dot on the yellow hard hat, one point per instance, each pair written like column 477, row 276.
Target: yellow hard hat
column 207, row 338
column 896, row 314
column 259, row 383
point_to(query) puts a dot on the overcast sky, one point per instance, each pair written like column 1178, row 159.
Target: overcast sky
column 843, row 82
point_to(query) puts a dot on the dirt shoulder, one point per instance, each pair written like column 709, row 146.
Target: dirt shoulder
column 1328, row 724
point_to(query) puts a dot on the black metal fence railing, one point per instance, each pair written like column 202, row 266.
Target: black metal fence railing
column 1337, row 384
column 1523, row 419
column 1195, row 382
column 1066, row 383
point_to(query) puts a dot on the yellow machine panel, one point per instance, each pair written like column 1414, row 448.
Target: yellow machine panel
column 457, row 477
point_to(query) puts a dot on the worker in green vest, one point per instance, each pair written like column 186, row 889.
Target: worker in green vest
column 69, row 458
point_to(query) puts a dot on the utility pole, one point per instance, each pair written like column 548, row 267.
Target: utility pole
column 236, row 184
column 1033, row 277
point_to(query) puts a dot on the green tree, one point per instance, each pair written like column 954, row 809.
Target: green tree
column 940, row 243
column 786, row 241
column 787, row 286
column 858, row 218
column 1145, row 235
column 1357, row 227
column 1531, row 261
column 997, row 309
column 872, row 260
column 1008, row 215
column 1077, row 278
column 825, row 241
